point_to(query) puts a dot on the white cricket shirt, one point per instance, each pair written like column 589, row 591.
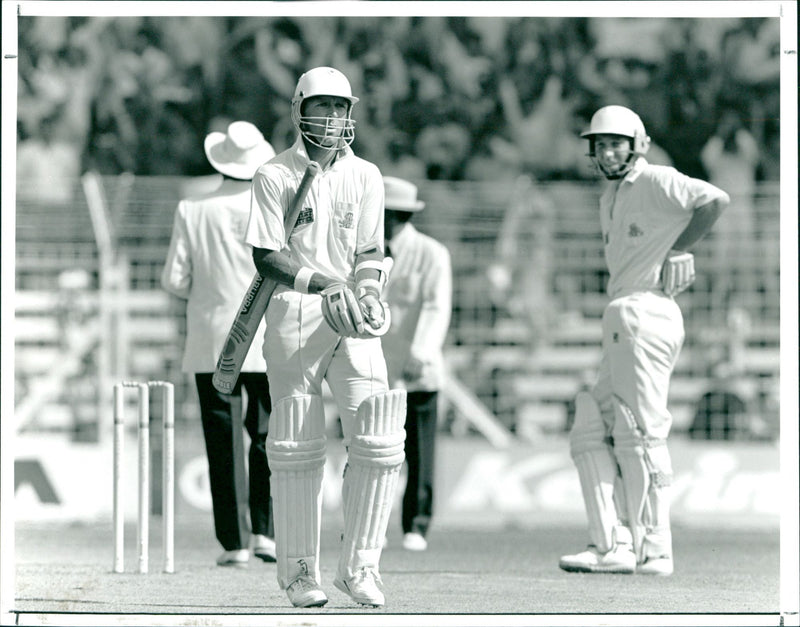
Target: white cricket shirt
column 641, row 217
column 342, row 216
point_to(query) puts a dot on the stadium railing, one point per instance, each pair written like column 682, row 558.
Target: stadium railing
column 523, row 352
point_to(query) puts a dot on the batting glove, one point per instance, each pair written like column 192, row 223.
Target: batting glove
column 349, row 316
column 375, row 310
column 678, row 272
column 342, row 311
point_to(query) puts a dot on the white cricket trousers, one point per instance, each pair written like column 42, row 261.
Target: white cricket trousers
column 302, row 350
column 642, row 337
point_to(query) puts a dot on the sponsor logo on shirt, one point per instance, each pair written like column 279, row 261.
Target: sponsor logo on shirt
column 634, row 230
column 306, row 216
column 347, row 221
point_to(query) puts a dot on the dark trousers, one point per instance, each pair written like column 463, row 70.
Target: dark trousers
column 421, row 418
column 232, row 494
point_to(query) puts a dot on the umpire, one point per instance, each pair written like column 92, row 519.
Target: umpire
column 209, row 265
column 419, row 293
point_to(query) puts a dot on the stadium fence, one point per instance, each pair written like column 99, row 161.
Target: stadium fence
column 529, row 279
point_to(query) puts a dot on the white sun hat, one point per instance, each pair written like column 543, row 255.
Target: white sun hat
column 401, row 195
column 239, row 152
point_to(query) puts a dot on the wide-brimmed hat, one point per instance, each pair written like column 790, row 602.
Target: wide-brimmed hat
column 239, row 152
column 401, row 195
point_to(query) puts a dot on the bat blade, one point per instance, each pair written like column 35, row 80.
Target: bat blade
column 241, row 334
column 254, row 304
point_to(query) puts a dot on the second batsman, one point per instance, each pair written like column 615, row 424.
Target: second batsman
column 650, row 216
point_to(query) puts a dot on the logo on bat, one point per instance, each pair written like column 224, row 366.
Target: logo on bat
column 251, row 295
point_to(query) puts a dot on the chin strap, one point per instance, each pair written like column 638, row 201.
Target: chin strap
column 619, row 174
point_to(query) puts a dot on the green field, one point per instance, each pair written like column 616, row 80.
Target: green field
column 467, row 577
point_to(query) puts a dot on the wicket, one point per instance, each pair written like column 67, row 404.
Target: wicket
column 168, row 477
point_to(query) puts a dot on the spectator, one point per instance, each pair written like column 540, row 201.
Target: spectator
column 445, row 150
column 548, row 124
column 688, row 124
column 141, row 77
column 75, row 315
column 520, row 277
column 48, row 166
column 731, row 158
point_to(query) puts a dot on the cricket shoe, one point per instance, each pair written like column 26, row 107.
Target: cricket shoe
column 620, row 560
column 661, row 565
column 264, row 548
column 362, row 587
column 413, row 541
column 237, row 558
column 305, row 592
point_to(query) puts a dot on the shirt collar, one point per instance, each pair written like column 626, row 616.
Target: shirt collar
column 636, row 170
column 299, row 148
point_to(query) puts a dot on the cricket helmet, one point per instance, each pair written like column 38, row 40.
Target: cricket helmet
column 323, row 81
column 617, row 120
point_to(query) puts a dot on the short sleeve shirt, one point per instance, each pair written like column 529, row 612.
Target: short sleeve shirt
column 641, row 217
column 341, row 217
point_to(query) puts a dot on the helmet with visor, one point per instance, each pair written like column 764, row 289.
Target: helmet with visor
column 617, row 121
column 328, row 131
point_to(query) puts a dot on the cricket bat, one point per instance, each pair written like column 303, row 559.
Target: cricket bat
column 255, row 301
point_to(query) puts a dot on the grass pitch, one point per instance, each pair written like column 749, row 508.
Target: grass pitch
column 467, row 577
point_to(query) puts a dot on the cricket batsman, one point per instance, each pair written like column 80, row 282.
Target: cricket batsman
column 324, row 322
column 650, row 217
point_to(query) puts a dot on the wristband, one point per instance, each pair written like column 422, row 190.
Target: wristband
column 380, row 266
column 302, row 280
column 368, row 285
column 369, row 263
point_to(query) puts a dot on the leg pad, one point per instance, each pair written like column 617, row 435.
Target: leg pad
column 296, row 454
column 647, row 474
column 375, row 457
column 592, row 454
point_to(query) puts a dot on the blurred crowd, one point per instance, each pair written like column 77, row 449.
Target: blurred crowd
column 442, row 98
